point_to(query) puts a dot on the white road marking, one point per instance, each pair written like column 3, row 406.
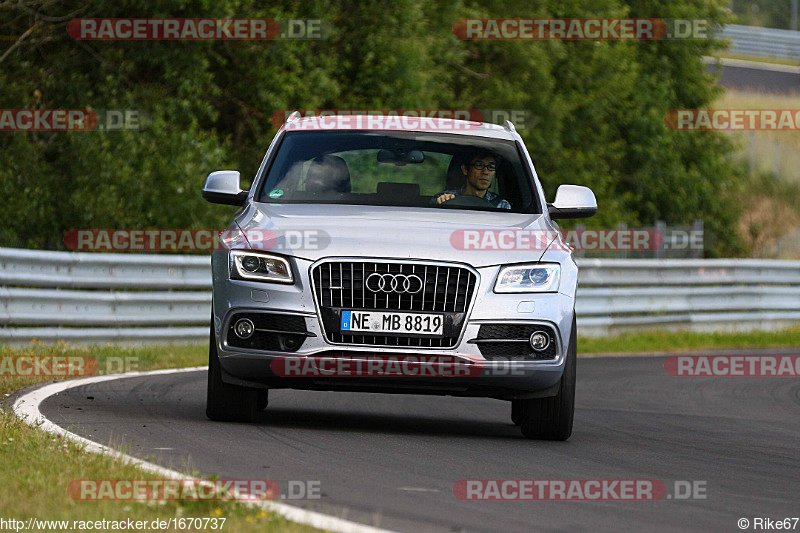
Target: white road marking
column 27, row 408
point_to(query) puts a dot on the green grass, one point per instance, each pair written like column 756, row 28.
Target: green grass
column 38, row 466
column 737, row 99
column 677, row 342
column 110, row 359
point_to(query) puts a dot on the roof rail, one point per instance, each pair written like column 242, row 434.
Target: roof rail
column 509, row 126
column 293, row 116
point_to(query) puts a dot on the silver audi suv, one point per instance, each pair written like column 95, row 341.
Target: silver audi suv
column 389, row 254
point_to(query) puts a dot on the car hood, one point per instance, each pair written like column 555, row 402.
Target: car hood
column 314, row 231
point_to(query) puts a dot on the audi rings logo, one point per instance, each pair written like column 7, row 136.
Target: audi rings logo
column 398, row 283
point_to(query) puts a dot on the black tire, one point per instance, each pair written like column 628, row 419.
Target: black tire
column 516, row 412
column 263, row 400
column 551, row 418
column 224, row 402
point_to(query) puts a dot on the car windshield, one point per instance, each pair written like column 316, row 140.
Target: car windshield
column 412, row 169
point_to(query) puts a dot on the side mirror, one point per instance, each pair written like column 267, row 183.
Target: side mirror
column 222, row 187
column 573, row 201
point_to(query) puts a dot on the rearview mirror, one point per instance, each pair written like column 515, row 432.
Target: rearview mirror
column 400, row 158
column 222, row 187
column 573, row 201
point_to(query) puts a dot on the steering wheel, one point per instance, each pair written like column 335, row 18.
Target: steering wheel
column 467, row 200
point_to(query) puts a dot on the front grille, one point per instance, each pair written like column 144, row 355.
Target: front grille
column 512, row 342
column 445, row 290
column 273, row 331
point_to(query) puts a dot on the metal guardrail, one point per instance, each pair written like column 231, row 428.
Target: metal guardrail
column 616, row 295
column 103, row 271
column 85, row 298
column 765, row 42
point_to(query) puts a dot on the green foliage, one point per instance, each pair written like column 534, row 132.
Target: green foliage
column 599, row 106
column 766, row 13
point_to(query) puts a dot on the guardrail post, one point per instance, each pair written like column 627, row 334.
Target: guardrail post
column 661, row 227
column 697, row 228
column 622, row 254
column 580, row 252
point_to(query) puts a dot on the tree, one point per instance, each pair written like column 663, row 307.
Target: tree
column 599, row 105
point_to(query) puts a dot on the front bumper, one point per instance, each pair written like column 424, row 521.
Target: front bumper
column 501, row 379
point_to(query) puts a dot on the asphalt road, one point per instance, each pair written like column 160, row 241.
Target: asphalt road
column 759, row 77
column 392, row 460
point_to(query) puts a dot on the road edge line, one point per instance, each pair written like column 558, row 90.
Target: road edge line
column 26, row 408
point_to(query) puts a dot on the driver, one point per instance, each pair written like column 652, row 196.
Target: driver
column 478, row 173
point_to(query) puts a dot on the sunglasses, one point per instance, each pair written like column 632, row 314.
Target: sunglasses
column 479, row 165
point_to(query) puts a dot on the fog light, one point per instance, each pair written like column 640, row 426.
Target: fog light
column 244, row 328
column 540, row 341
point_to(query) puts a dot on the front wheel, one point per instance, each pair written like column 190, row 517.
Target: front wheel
column 516, row 412
column 225, row 402
column 263, row 399
column 551, row 418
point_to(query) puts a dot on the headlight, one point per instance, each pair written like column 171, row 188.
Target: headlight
column 260, row 267
column 528, row 278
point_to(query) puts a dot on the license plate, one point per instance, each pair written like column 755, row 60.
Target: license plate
column 388, row 322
